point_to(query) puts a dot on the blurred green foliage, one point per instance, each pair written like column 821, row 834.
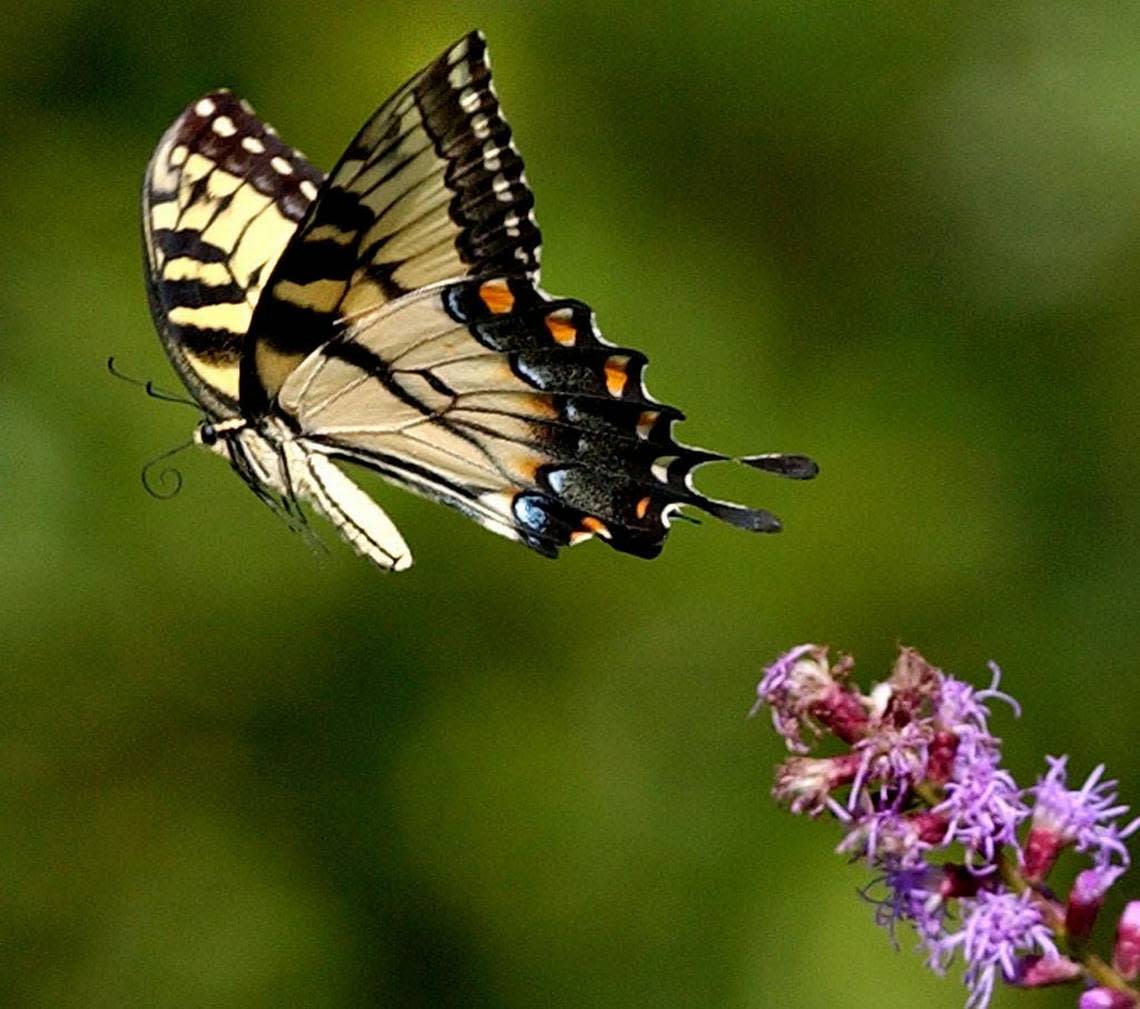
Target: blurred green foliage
column 902, row 237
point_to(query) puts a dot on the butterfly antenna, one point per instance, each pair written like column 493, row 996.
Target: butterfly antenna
column 167, row 482
column 153, row 391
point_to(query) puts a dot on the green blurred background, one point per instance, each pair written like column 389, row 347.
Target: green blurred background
column 904, row 238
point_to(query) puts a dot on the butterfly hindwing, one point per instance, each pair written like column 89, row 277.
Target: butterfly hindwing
column 431, row 189
column 221, row 199
column 493, row 397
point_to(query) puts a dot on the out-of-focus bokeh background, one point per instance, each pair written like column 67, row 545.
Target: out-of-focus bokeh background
column 904, row 238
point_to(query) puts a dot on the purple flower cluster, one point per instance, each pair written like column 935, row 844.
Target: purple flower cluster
column 958, row 851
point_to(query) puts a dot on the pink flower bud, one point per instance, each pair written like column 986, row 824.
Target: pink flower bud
column 1105, row 998
column 1126, row 955
column 930, row 827
column 1041, row 850
column 958, row 881
column 1039, row 971
column 843, row 713
column 1085, row 900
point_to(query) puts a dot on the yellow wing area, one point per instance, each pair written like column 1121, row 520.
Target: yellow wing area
column 221, row 199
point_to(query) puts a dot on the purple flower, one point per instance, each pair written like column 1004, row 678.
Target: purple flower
column 963, row 711
column 805, row 783
column 886, row 836
column 806, row 693
column 983, row 807
column 919, row 771
column 894, row 759
column 914, row 895
column 962, row 706
column 789, row 686
column 777, row 681
column 1085, row 818
column 998, row 927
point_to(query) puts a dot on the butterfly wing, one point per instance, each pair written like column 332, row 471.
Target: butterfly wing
column 222, row 197
column 507, row 404
column 431, row 189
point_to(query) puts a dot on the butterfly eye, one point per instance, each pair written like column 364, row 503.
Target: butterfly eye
column 207, row 434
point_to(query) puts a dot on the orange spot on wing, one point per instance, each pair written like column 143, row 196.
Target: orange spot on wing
column 616, row 377
column 563, row 332
column 526, row 467
column 595, row 526
column 646, row 421
column 643, row 507
column 543, row 407
column 497, row 296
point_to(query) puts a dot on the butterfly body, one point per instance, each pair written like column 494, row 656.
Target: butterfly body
column 389, row 315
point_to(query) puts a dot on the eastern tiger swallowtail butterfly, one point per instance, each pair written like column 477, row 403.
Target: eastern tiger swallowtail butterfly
column 389, row 315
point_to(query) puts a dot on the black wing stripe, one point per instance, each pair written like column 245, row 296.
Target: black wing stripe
column 191, row 293
column 374, row 366
column 175, row 244
column 214, row 346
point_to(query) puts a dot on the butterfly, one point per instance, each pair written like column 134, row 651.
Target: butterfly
column 389, row 315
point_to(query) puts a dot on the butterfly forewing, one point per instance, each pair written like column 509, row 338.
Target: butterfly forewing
column 431, row 189
column 221, row 199
column 507, row 404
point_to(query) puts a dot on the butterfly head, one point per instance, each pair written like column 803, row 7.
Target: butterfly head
column 218, row 435
column 206, row 434
column 258, row 452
